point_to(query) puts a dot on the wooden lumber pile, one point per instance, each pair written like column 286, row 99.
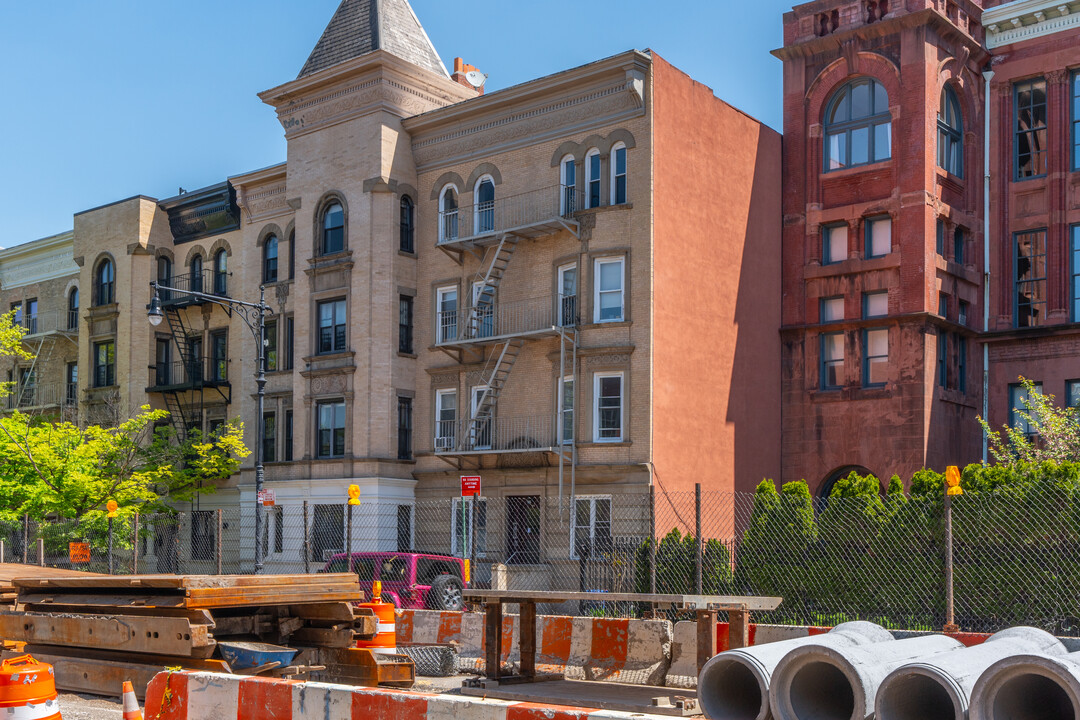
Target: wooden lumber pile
column 10, row 571
column 97, row 631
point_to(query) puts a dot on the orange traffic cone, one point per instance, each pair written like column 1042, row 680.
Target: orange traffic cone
column 131, row 704
column 28, row 690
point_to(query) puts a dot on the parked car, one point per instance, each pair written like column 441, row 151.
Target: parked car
column 415, row 581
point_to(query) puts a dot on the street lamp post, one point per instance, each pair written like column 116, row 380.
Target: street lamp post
column 254, row 316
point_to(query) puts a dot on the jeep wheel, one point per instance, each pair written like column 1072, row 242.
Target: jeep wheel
column 445, row 593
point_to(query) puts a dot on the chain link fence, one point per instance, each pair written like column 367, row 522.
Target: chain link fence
column 1016, row 559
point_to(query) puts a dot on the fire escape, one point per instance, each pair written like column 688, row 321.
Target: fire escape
column 483, row 330
column 42, row 333
column 185, row 383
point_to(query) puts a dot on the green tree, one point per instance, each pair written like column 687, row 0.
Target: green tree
column 1053, row 432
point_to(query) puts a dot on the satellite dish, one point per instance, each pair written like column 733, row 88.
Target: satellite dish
column 476, row 78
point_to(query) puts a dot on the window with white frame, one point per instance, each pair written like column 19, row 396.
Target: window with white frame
column 834, row 246
column 445, row 420
column 330, row 417
column 446, row 323
column 878, row 236
column 592, row 178
column 332, row 325
column 448, row 214
column 618, row 174
column 609, row 296
column 566, row 408
column 461, row 544
column 480, row 429
column 568, row 203
column 608, row 407
column 592, row 525
column 484, row 206
column 832, row 309
column 567, row 304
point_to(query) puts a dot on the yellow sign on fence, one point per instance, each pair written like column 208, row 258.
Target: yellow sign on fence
column 79, row 552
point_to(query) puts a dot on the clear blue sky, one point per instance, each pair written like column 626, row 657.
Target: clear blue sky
column 113, row 98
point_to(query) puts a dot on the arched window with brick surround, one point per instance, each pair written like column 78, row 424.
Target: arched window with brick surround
column 858, row 125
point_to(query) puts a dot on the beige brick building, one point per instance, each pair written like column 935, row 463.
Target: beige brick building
column 569, row 287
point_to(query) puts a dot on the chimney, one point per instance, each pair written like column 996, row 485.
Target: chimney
column 460, row 69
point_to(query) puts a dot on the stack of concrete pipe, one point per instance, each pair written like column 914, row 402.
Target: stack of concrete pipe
column 860, row 671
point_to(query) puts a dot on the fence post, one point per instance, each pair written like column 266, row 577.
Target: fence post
column 41, row 552
column 307, row 543
column 950, row 619
column 698, row 545
column 652, row 539
column 135, row 545
column 220, row 528
column 176, row 541
column 3, row 555
column 473, row 501
column 348, row 532
column 110, row 546
column 26, row 539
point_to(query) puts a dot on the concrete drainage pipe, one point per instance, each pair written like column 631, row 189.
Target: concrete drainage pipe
column 734, row 685
column 940, row 687
column 1029, row 687
column 828, row 682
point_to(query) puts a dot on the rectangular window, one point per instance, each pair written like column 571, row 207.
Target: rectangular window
column 445, row 420
column 1075, row 94
column 404, row 528
column 942, row 359
column 1029, row 265
column 327, row 531
column 1018, row 395
column 219, row 371
column 567, row 308
column 481, row 427
column 609, row 298
column 16, row 308
column 1072, row 393
column 332, row 326
column 878, row 236
column 832, row 361
column 163, row 364
column 270, row 345
column 941, row 237
column 834, row 247
column 875, row 357
column 447, row 320
column 618, row 176
column 105, row 364
column 405, row 324
column 832, row 309
column 875, row 304
column 523, row 530
column 289, row 358
column 461, row 544
column 961, row 362
column 404, row 428
column 943, row 305
column 592, row 165
column 592, row 526
column 331, row 427
column 608, row 408
column 958, row 245
column 962, row 314
column 1074, row 270
column 269, row 437
column 203, row 530
column 287, row 441
column 566, row 408
column 1030, row 134
column 31, row 316
column 277, row 514
column 72, row 376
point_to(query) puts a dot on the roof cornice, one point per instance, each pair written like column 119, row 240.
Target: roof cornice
column 1026, row 19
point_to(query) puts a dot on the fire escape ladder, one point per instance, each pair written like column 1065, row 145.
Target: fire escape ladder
column 489, row 277
column 192, row 368
column 176, row 415
column 495, row 374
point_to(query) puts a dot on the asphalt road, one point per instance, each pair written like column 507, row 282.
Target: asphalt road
column 89, row 707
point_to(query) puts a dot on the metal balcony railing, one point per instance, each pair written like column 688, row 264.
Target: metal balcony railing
column 206, row 281
column 499, row 435
column 50, row 321
column 39, row 395
column 530, row 214
column 501, row 320
column 188, row 373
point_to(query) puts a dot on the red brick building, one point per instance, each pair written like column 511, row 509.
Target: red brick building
column 887, row 321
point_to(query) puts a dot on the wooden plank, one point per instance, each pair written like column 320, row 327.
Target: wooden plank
column 738, row 629
column 493, row 641
column 154, row 635
column 182, row 582
column 689, row 602
column 48, row 598
column 268, row 598
column 527, row 639
column 706, row 637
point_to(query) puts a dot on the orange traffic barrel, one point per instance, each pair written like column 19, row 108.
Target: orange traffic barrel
column 27, row 690
column 385, row 640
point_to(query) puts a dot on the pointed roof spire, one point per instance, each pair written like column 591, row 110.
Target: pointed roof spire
column 363, row 26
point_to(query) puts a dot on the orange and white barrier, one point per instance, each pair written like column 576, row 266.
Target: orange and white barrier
column 200, row 696
column 385, row 640
column 131, row 703
column 28, row 690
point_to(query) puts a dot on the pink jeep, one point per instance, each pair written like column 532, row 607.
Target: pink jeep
column 409, row 580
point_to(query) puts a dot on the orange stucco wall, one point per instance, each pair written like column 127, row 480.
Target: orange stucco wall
column 716, row 289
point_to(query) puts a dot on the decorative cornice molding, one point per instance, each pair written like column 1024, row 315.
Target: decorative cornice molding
column 37, row 261
column 1006, row 24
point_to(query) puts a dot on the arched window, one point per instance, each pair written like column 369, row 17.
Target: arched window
column 105, row 283
column 221, row 272
column 164, row 275
column 484, row 209
column 618, row 174
column 950, row 133
column 333, row 229
column 592, row 178
column 568, row 178
column 405, row 226
column 270, row 251
column 196, row 282
column 858, row 126
column 448, row 214
column 73, row 309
